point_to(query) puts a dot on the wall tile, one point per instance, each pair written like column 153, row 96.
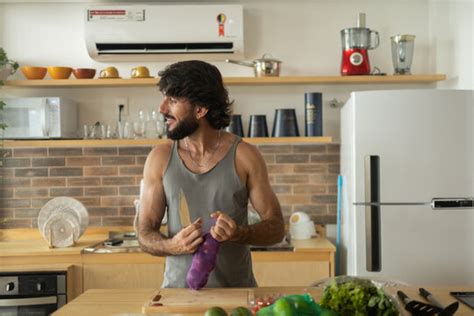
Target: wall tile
column 48, row 182
column 89, row 181
column 40, row 202
column 66, row 192
column 274, row 149
column 130, row 190
column 310, row 148
column 118, row 180
column 99, row 191
column 30, row 192
column 29, row 152
column 31, row 172
column 311, row 168
column 15, row 223
column 103, row 211
column 6, row 193
column 14, row 203
column 119, row 160
column 292, row 178
column 65, row 172
column 48, row 162
column 309, row 188
column 138, row 170
column 82, row 161
column 100, row 171
column 127, row 211
column 62, row 152
column 324, row 158
column 276, row 168
column 296, row 158
column 16, row 162
column 101, row 151
column 15, row 182
column 117, row 221
column 89, row 201
column 134, row 150
column 117, row 201
column 27, row 213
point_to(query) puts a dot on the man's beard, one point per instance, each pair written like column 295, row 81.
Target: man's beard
column 185, row 128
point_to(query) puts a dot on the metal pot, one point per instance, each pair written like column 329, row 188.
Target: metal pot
column 263, row 67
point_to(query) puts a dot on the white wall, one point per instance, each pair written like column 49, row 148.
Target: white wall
column 451, row 36
column 303, row 34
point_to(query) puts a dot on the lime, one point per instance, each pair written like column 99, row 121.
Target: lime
column 282, row 307
column 215, row 311
column 240, row 311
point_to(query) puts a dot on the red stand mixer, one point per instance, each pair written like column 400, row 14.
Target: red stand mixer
column 356, row 41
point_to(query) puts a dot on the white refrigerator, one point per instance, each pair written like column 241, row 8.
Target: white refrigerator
column 407, row 197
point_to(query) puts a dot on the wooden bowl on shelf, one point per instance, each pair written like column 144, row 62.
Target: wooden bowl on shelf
column 59, row 72
column 33, row 72
column 84, row 73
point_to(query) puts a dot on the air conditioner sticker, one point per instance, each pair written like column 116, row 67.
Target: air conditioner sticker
column 221, row 20
column 116, row 15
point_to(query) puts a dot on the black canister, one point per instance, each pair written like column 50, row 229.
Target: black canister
column 313, row 114
column 235, row 125
column 285, row 123
column 258, row 126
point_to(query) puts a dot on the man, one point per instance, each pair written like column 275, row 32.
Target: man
column 218, row 174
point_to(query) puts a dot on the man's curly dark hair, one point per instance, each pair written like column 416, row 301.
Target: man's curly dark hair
column 201, row 84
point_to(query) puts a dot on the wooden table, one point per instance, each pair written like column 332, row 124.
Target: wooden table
column 130, row 302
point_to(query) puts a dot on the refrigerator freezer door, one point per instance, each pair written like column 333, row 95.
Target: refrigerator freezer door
column 424, row 141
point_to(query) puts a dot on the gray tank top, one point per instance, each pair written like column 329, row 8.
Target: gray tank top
column 218, row 189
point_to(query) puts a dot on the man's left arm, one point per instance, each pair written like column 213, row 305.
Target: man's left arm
column 270, row 229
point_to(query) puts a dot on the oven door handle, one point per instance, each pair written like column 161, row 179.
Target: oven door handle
column 28, row 301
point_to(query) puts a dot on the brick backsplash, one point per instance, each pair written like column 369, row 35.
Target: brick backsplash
column 106, row 180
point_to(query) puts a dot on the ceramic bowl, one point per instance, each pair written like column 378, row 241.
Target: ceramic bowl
column 84, row 73
column 33, row 73
column 59, row 72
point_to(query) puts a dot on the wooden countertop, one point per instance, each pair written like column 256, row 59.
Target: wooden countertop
column 130, row 302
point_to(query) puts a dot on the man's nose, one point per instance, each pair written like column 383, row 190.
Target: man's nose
column 163, row 107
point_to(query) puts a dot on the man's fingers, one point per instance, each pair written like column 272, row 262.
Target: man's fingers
column 196, row 225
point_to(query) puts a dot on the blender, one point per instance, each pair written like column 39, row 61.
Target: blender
column 356, row 41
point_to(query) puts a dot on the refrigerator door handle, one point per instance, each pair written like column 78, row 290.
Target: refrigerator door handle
column 373, row 238
column 391, row 203
column 452, row 203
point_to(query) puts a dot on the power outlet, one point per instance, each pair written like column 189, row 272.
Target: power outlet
column 122, row 101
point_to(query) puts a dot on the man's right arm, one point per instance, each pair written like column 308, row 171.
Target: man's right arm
column 152, row 210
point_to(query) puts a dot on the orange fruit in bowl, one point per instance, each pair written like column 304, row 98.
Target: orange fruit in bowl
column 33, row 72
column 56, row 72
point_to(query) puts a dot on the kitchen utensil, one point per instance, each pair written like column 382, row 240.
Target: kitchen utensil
column 64, row 205
column 313, row 114
column 448, row 310
column 140, row 72
column 109, row 73
column 61, row 230
column 258, row 126
column 84, row 73
column 301, row 226
column 235, row 125
column 262, row 67
column 56, row 72
column 403, row 47
column 416, row 307
column 285, row 123
column 356, row 41
column 183, row 210
column 33, row 73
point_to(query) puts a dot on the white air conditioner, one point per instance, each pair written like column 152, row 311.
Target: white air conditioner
column 164, row 32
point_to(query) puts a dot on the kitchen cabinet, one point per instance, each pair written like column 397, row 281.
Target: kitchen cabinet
column 231, row 81
column 122, row 270
column 311, row 260
column 123, row 276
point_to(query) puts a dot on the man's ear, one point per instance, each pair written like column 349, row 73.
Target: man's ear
column 200, row 111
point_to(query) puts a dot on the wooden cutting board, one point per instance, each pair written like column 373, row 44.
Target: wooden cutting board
column 174, row 301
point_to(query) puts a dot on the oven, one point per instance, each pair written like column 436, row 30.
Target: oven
column 32, row 293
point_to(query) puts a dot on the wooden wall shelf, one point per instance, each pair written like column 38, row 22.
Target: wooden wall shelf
column 232, row 81
column 151, row 142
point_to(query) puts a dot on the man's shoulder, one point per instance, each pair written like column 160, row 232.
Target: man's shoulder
column 161, row 152
column 247, row 152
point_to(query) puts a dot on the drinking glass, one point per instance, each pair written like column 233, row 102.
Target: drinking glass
column 139, row 129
